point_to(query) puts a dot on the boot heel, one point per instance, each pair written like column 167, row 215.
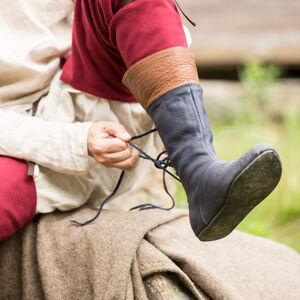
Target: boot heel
column 252, row 185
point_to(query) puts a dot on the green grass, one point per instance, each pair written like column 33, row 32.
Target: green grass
column 278, row 216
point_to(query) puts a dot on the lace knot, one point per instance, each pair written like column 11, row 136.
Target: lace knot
column 157, row 164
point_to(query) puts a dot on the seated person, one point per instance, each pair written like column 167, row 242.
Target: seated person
column 121, row 56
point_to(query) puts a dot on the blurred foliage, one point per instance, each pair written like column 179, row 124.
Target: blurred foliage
column 257, row 78
column 278, row 216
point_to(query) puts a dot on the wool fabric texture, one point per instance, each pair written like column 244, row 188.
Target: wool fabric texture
column 113, row 257
column 106, row 42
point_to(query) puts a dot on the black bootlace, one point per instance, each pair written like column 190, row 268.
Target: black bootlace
column 159, row 163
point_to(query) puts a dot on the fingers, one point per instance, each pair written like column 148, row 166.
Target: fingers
column 104, row 146
column 107, row 143
column 117, row 156
column 116, row 130
column 101, row 140
column 125, row 160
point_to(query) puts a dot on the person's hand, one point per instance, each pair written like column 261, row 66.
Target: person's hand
column 107, row 143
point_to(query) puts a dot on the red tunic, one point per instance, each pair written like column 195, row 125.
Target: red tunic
column 106, row 42
column 17, row 196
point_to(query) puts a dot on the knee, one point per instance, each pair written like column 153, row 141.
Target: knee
column 17, row 196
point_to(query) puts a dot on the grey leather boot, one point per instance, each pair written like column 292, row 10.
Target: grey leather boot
column 220, row 193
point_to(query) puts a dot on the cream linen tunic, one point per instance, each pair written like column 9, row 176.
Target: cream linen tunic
column 35, row 34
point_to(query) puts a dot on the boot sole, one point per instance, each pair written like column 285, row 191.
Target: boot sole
column 253, row 184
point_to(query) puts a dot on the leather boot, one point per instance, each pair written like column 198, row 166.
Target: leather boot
column 220, row 193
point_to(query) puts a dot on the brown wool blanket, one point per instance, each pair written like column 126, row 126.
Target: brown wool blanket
column 114, row 257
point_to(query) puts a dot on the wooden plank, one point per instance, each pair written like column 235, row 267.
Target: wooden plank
column 232, row 31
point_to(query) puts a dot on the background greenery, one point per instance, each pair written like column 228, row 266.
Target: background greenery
column 278, row 217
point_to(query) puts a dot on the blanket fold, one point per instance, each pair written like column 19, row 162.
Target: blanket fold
column 141, row 255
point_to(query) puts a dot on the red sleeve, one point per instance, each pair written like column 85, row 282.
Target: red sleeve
column 144, row 27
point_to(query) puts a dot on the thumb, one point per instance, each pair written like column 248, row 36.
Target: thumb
column 117, row 130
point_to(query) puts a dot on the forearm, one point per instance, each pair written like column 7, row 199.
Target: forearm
column 58, row 146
